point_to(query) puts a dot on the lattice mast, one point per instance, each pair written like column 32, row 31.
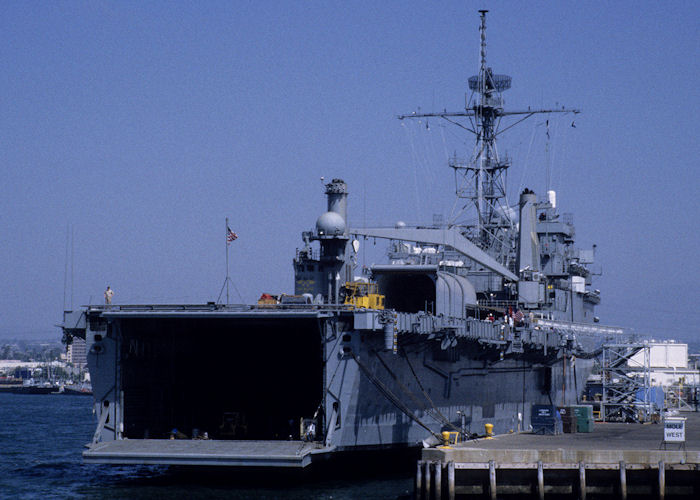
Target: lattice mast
column 481, row 180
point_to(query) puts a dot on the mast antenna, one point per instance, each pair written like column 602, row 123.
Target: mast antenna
column 481, row 179
column 482, row 33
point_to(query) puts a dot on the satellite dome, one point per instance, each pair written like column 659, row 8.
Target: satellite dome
column 400, row 224
column 330, row 224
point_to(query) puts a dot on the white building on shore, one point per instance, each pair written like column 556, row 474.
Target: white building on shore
column 668, row 361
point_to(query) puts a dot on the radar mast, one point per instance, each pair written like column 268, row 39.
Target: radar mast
column 481, row 179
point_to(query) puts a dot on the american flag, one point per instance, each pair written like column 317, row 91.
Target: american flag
column 518, row 316
column 230, row 235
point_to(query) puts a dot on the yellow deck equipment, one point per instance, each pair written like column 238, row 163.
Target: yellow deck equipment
column 363, row 295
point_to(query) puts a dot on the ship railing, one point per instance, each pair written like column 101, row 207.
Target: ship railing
column 213, row 307
column 151, row 307
column 500, row 304
column 309, row 254
column 584, row 328
column 475, row 329
column 543, row 334
column 303, row 307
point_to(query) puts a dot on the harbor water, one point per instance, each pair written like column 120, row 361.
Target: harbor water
column 42, row 438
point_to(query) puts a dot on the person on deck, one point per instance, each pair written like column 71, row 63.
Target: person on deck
column 109, row 293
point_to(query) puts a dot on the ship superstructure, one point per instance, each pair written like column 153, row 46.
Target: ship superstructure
column 467, row 323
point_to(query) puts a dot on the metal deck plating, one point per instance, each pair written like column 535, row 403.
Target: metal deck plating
column 295, row 454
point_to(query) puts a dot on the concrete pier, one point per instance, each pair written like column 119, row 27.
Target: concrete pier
column 615, row 461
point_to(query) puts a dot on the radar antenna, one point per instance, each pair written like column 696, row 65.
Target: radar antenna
column 481, row 180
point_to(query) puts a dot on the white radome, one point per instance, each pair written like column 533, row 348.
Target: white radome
column 330, row 224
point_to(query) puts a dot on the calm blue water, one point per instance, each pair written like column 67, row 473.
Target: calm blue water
column 42, row 437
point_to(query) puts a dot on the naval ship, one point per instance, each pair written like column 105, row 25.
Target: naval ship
column 465, row 324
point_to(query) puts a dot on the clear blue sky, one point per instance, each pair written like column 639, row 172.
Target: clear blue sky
column 142, row 125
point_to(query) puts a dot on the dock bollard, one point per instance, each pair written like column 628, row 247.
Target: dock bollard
column 489, row 431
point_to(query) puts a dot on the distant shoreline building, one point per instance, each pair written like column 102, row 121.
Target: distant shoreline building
column 76, row 353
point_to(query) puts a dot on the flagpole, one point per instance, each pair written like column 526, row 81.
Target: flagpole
column 230, row 236
column 227, row 272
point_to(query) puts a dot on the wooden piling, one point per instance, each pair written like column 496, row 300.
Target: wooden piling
column 582, row 480
column 662, row 480
column 540, row 480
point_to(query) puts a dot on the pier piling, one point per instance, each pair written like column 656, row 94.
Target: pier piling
column 427, row 480
column 451, row 480
column 419, row 480
column 623, row 480
column 492, row 479
column 438, row 480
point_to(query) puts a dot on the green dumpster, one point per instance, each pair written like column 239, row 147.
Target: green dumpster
column 584, row 417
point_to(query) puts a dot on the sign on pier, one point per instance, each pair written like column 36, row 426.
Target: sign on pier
column 674, row 430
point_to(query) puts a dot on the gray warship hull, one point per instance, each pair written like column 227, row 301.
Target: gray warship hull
column 251, row 373
column 465, row 325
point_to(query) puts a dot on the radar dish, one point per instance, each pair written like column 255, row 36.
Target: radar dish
column 493, row 82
